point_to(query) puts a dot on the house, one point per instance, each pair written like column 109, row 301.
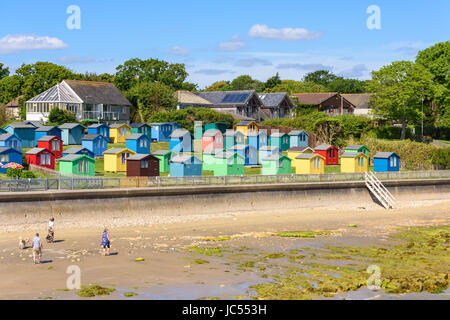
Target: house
column 77, row 150
column 185, row 165
column 267, row 151
column 309, row 163
column 101, row 129
column 164, row 157
column 360, row 101
column 330, row 153
column 77, row 164
column 228, row 164
column 119, row 132
column 95, row 143
column 298, row 138
column 187, row 99
column 89, row 100
column 8, row 140
column 257, row 139
column 142, row 128
column 386, row 162
column 276, row 164
column 161, row 131
column 294, row 152
column 12, row 108
column 221, row 126
column 47, row 131
column 276, row 105
column 115, row 159
column 212, row 139
column 354, row 162
column 332, row 103
column 142, row 165
column 180, row 141
column 249, row 153
column 280, row 140
column 139, row 143
column 53, row 144
column 24, row 132
column 72, row 133
column 247, row 126
column 8, row 155
column 245, row 103
column 41, row 157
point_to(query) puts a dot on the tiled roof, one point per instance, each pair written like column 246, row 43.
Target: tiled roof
column 274, row 100
column 48, row 138
column 70, row 125
column 384, row 154
column 97, row 92
column 313, row 98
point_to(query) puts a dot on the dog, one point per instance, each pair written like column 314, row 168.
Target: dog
column 23, row 242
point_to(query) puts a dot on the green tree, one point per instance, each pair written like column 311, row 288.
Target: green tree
column 245, row 82
column 218, row 86
column 292, row 86
column 272, row 82
column 342, row 85
column 4, row 71
column 92, row 76
column 10, row 88
column 59, row 116
column 322, row 77
column 397, row 92
column 3, row 115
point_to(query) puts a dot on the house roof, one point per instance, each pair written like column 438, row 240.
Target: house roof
column 384, row 155
column 70, row 126
column 161, row 152
column 135, row 136
column 185, row 159
column 323, row 147
column 91, row 136
column 73, row 157
column 299, row 149
column 97, row 125
column 75, row 150
column 14, row 103
column 352, row 154
column 297, row 132
column 46, row 128
column 187, row 97
column 6, row 136
column 48, row 138
column 36, row 151
column 359, row 100
column 140, row 156
column 308, row 156
column 118, row 150
column 212, row 132
column 97, row 92
column 179, row 133
column 313, row 98
column 21, row 125
column 274, row 100
column 57, row 93
column 227, row 98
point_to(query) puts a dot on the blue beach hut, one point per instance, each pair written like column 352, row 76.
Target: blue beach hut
column 386, row 162
column 161, row 131
column 43, row 131
column 180, row 141
column 142, row 128
column 267, row 151
column 298, row 138
column 72, row 133
column 95, row 143
column 185, row 165
column 8, row 140
column 8, row 155
column 2, row 131
column 249, row 153
column 139, row 143
column 99, row 128
column 23, row 131
column 257, row 139
column 77, row 150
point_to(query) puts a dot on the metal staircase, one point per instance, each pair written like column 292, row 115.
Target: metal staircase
column 379, row 191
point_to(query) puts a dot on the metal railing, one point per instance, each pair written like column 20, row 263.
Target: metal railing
column 105, row 115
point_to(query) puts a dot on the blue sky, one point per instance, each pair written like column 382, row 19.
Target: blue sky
column 219, row 40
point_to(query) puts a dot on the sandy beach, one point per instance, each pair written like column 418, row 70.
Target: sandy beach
column 170, row 271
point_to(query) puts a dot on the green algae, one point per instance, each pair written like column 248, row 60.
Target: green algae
column 199, row 261
column 130, row 294
column 303, row 234
column 221, row 238
column 209, row 251
column 94, row 290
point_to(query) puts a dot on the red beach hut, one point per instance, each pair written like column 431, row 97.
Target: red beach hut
column 53, row 144
column 330, row 153
column 212, row 140
column 41, row 157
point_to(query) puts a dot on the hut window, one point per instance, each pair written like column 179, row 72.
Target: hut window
column 359, row 161
column 318, row 162
column 144, row 164
column 47, row 159
column 4, row 157
column 392, row 161
column 86, row 166
column 80, row 166
column 123, row 158
column 362, row 161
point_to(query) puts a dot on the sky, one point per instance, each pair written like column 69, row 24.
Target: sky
column 220, row 40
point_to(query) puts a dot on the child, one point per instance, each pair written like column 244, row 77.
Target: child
column 106, row 243
column 37, row 247
column 51, row 230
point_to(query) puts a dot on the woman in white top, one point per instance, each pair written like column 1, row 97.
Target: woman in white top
column 51, row 230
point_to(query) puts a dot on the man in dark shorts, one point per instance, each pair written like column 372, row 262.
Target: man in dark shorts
column 37, row 248
column 106, row 243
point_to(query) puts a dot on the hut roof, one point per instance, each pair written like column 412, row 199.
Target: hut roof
column 299, row 149
column 117, row 150
column 91, row 136
column 275, row 156
column 135, row 136
column 308, row 156
column 226, row 154
column 352, row 154
column 178, row 133
column 161, row 152
column 185, row 159
column 211, row 132
column 72, row 157
column 48, row 138
column 70, row 126
column 355, row 147
column 323, row 147
column 21, row 125
column 297, row 132
column 384, row 155
column 46, row 128
column 6, row 136
column 277, row 134
column 6, row 149
column 118, row 125
column 269, row 148
column 141, row 156
column 36, row 150
column 75, row 150
column 97, row 125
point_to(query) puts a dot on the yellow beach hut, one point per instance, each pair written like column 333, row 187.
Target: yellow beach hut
column 309, row 163
column 247, row 126
column 115, row 159
column 354, row 162
column 119, row 132
column 294, row 152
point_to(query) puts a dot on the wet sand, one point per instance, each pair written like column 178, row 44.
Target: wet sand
column 168, row 272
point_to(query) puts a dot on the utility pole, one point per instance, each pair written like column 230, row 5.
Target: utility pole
column 422, row 112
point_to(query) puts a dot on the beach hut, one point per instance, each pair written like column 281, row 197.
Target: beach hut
column 72, row 133
column 175, row 126
column 185, row 165
column 139, row 143
column 309, row 163
column 101, row 129
column 208, row 159
column 164, row 157
column 119, row 132
column 115, row 159
column 8, row 155
column 95, row 143
column 386, row 162
column 2, row 131
column 24, row 132
column 354, row 162
column 330, row 153
column 78, row 150
column 8, row 140
column 280, row 140
column 221, row 126
column 77, row 164
column 198, row 131
column 180, row 141
column 229, row 138
column 53, row 144
column 247, row 126
column 276, row 164
column 41, row 157
column 240, row 138
column 298, row 138
column 294, row 152
column 142, row 165
column 228, row 164
column 142, row 128
column 257, row 139
column 267, row 151
column 212, row 139
column 47, row 131
column 161, row 131
column 249, row 153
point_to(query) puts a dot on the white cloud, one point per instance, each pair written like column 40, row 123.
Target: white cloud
column 287, row 34
column 251, row 62
column 234, row 44
column 13, row 44
column 304, row 66
column 179, row 51
column 212, row 72
column 356, row 71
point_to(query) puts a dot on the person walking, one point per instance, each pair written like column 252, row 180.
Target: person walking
column 106, row 243
column 51, row 230
column 37, row 249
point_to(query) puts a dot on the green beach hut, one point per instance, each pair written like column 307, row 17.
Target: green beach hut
column 77, row 164
column 358, row 148
column 228, row 164
column 208, row 159
column 280, row 140
column 221, row 126
column 276, row 164
column 164, row 157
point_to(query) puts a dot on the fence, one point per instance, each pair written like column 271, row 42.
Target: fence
column 77, row 183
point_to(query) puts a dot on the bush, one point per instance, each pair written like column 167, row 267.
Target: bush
column 19, row 173
column 440, row 158
column 58, row 116
column 28, row 175
column 390, row 132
